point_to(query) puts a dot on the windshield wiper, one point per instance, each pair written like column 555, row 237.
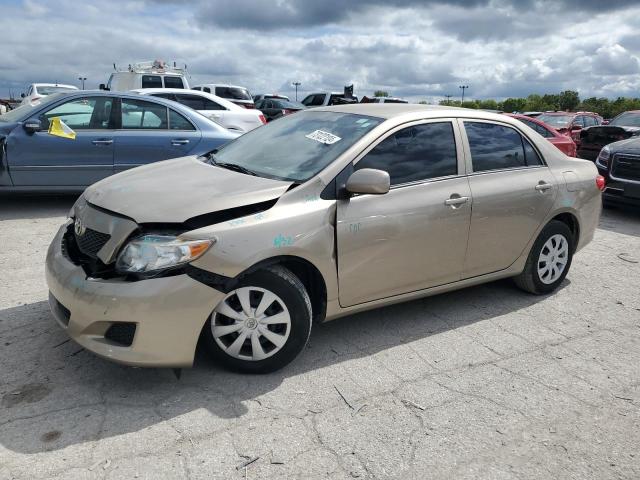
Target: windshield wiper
column 235, row 168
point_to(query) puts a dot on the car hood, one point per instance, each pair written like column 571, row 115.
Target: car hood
column 630, row 145
column 174, row 191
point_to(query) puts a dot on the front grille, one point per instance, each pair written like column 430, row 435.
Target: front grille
column 121, row 333
column 90, row 242
column 91, row 264
column 626, row 167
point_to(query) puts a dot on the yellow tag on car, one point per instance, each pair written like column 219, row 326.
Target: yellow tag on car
column 60, row 129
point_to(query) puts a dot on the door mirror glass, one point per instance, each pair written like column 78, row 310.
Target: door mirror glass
column 32, row 125
column 369, row 180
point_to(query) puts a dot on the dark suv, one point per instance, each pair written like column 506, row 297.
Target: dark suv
column 593, row 139
column 619, row 163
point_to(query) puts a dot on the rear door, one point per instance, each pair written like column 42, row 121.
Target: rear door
column 415, row 236
column 42, row 159
column 512, row 189
column 151, row 132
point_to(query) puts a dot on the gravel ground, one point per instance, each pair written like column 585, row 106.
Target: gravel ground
column 487, row 382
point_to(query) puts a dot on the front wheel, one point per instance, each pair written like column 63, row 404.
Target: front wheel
column 261, row 325
column 549, row 260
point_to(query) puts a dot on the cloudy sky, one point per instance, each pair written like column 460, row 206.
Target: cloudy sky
column 415, row 49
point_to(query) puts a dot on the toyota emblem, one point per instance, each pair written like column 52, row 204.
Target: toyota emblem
column 79, row 227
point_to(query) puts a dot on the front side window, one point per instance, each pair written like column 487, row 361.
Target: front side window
column 495, row 147
column 590, row 122
column 178, row 122
column 173, row 82
column 297, row 147
column 151, row 81
column 138, row 114
column 89, row 113
column 415, row 153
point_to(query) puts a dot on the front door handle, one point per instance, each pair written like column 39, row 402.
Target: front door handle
column 543, row 186
column 455, row 200
column 103, row 141
column 179, row 141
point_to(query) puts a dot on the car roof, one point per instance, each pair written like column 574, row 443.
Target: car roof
column 187, row 91
column 391, row 110
column 54, row 85
column 219, row 85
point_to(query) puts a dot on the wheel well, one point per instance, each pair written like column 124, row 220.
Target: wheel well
column 572, row 222
column 310, row 277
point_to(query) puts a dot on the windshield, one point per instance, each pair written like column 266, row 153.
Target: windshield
column 236, row 93
column 625, row 120
column 42, row 90
column 556, row 121
column 296, row 147
column 23, row 112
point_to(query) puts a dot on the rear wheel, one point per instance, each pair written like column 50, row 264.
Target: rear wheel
column 549, row 260
column 263, row 324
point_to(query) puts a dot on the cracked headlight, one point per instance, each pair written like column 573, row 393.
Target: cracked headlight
column 151, row 253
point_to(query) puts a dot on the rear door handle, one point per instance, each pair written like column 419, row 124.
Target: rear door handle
column 179, row 141
column 543, row 186
column 103, row 141
column 455, row 200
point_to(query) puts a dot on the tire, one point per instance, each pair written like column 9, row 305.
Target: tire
column 536, row 278
column 274, row 333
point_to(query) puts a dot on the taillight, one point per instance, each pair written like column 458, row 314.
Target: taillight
column 600, row 182
column 248, row 105
column 262, row 119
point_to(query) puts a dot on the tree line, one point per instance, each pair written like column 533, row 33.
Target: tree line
column 567, row 100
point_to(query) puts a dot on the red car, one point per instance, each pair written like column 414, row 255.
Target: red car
column 571, row 123
column 564, row 143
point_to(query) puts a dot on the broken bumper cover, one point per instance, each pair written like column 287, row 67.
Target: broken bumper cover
column 168, row 312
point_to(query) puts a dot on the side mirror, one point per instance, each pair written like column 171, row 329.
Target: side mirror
column 32, row 125
column 369, row 180
column 576, row 127
column 22, row 95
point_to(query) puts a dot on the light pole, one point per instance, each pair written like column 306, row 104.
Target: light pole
column 296, row 84
column 448, row 97
column 82, row 79
column 463, row 88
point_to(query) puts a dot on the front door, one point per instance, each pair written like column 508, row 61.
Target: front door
column 42, row 159
column 415, row 236
column 513, row 191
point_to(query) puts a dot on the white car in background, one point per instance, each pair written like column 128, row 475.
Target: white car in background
column 36, row 91
column 234, row 93
column 220, row 110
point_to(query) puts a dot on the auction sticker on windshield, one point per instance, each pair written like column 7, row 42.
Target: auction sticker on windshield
column 323, row 137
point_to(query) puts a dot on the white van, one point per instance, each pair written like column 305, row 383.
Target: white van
column 147, row 75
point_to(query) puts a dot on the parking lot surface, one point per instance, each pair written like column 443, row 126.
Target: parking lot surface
column 487, row 382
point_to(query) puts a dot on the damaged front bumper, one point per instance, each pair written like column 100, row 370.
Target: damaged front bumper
column 152, row 323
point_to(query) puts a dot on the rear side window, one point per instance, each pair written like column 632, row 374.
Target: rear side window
column 495, row 147
column 151, row 81
column 538, row 128
column 191, row 101
column 211, row 105
column 173, row 82
column 138, row 114
column 314, row 100
column 415, row 153
column 178, row 122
